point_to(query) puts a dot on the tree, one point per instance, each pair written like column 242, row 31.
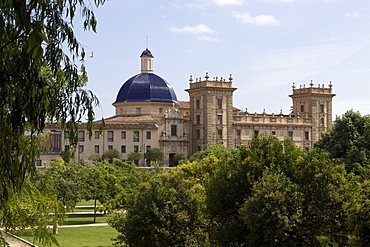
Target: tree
column 166, row 211
column 135, row 156
column 154, row 154
column 180, row 158
column 348, row 140
column 273, row 211
column 111, row 154
column 358, row 214
column 94, row 157
column 42, row 75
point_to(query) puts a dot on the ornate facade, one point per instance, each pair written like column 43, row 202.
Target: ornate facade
column 149, row 115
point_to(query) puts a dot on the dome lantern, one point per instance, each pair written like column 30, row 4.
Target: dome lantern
column 147, row 60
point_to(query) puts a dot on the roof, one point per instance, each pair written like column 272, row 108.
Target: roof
column 146, row 53
column 146, row 87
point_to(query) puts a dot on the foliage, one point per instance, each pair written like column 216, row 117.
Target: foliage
column 166, row 211
column 273, row 211
column 180, row 158
column 30, row 209
column 94, row 157
column 348, row 140
column 135, row 156
column 111, row 154
column 154, row 154
column 358, row 214
column 40, row 80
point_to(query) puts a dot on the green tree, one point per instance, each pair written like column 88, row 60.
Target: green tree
column 273, row 211
column 358, row 214
column 135, row 156
column 166, row 211
column 232, row 181
column 111, row 154
column 180, row 158
column 348, row 140
column 154, row 154
column 42, row 78
column 94, row 157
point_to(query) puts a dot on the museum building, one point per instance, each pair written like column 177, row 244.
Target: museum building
column 148, row 114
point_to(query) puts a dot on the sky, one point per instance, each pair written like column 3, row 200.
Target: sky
column 265, row 44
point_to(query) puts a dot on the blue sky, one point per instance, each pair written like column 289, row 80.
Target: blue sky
column 265, row 44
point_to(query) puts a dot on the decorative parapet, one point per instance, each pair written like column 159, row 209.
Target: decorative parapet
column 206, row 82
column 320, row 89
column 270, row 119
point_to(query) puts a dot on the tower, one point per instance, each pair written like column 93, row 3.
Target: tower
column 316, row 104
column 211, row 109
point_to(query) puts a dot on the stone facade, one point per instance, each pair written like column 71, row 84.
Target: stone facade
column 190, row 126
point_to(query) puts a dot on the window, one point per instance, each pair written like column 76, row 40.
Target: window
column 147, row 147
column 96, row 149
column 123, row 134
column 198, row 119
column 197, row 103
column 138, row 110
column 306, row 135
column 302, row 108
column 136, row 149
column 39, row 163
column 322, row 108
column 238, row 132
column 219, row 133
column 123, row 149
column 219, row 103
column 219, row 119
column 290, row 134
column 66, row 147
column 198, row 134
column 136, row 136
column 148, row 135
column 173, row 130
column 322, row 121
column 66, row 134
column 110, row 146
column 81, row 136
column 256, row 132
column 97, row 134
column 110, row 136
column 81, row 148
column 273, row 133
column 160, row 110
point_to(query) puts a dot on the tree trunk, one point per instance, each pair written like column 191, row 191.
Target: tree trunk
column 95, row 210
column 55, row 221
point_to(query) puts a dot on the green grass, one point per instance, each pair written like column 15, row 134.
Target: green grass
column 87, row 203
column 93, row 236
column 79, row 219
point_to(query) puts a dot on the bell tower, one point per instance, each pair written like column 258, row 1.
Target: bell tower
column 316, row 104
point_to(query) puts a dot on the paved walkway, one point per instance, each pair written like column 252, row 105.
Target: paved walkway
column 13, row 242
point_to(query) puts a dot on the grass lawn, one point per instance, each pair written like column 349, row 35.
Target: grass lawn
column 92, row 236
column 80, row 219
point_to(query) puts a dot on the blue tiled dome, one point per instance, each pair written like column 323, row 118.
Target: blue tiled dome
column 146, row 87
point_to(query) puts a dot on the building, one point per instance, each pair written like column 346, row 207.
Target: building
column 148, row 114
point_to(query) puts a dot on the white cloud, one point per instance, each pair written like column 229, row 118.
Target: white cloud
column 200, row 28
column 208, row 38
column 353, row 14
column 228, row 2
column 259, row 20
